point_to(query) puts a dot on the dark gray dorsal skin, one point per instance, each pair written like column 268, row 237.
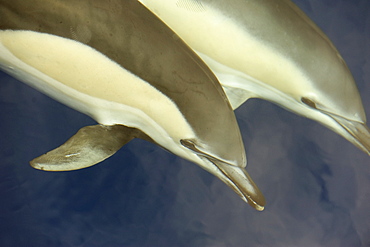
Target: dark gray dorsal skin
column 129, row 47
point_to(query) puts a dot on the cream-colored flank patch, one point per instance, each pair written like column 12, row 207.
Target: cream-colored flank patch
column 191, row 5
column 90, row 73
column 231, row 45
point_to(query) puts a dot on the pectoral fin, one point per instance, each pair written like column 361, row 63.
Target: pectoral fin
column 89, row 146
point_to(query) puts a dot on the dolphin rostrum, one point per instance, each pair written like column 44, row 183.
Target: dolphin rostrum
column 118, row 63
column 271, row 50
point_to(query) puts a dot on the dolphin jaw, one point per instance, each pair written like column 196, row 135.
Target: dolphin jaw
column 232, row 174
column 354, row 130
column 239, row 180
column 358, row 133
column 192, row 145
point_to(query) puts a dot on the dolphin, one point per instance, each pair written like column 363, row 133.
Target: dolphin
column 271, row 50
column 118, row 63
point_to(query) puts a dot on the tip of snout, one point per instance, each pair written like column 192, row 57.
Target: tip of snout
column 253, row 196
column 239, row 180
column 362, row 135
column 258, row 207
column 232, row 173
column 359, row 133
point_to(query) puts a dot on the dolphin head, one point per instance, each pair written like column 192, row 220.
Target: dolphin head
column 303, row 71
column 328, row 92
column 271, row 50
column 349, row 124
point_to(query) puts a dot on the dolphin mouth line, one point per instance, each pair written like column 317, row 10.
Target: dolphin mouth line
column 192, row 146
column 236, row 177
column 236, row 187
column 359, row 131
column 239, row 191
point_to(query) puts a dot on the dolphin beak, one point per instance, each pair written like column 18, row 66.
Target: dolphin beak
column 231, row 173
column 190, row 144
column 239, row 180
column 356, row 132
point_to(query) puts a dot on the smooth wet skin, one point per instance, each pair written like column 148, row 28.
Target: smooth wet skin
column 271, row 50
column 118, row 63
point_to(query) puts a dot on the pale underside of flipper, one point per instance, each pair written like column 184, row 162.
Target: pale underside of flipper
column 89, row 146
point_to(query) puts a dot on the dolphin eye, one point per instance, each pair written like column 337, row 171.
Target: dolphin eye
column 308, row 102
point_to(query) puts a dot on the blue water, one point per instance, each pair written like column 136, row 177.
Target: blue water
column 317, row 185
